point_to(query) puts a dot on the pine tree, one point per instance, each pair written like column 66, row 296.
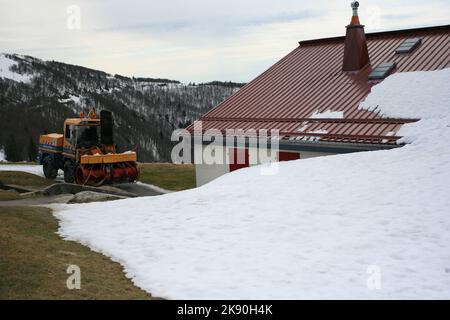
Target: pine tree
column 32, row 150
column 12, row 151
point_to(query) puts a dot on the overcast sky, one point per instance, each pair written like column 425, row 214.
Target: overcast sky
column 191, row 40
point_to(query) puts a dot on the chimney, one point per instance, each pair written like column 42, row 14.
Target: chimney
column 356, row 55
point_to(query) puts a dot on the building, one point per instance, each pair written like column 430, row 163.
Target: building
column 312, row 95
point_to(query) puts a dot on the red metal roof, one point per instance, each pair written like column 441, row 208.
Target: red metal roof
column 310, row 79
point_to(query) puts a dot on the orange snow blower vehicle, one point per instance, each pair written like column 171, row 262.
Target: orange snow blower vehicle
column 86, row 152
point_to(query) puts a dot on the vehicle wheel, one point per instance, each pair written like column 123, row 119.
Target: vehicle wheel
column 79, row 175
column 69, row 172
column 50, row 170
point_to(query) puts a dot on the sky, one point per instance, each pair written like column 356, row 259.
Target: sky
column 191, row 40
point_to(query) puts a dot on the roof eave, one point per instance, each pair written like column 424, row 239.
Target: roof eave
column 334, row 147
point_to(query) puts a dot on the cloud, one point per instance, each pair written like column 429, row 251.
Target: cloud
column 282, row 17
column 174, row 25
column 195, row 40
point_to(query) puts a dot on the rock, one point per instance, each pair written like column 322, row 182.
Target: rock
column 90, row 196
column 61, row 188
column 11, row 191
column 27, row 195
column 117, row 191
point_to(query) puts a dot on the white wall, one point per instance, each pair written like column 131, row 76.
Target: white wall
column 206, row 173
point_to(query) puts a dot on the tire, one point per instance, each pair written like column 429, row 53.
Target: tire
column 50, row 170
column 79, row 175
column 69, row 172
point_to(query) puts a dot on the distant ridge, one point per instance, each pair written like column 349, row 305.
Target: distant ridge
column 36, row 96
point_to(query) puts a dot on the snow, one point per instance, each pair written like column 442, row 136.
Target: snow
column 369, row 225
column 315, row 138
column 310, row 138
column 34, row 169
column 5, row 72
column 430, row 88
column 2, row 155
column 72, row 98
column 304, row 126
column 30, row 168
column 328, row 115
column 153, row 187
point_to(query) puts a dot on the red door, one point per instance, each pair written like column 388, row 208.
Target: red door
column 288, row 156
column 239, row 158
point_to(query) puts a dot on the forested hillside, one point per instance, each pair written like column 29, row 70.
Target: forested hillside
column 36, row 96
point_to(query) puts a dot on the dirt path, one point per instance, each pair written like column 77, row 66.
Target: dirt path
column 37, row 201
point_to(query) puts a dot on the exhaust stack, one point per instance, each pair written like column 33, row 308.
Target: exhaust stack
column 356, row 54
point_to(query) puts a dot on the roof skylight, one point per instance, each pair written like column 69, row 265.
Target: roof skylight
column 408, row 45
column 382, row 71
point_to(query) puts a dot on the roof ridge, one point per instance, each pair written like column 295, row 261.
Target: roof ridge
column 334, row 120
column 378, row 34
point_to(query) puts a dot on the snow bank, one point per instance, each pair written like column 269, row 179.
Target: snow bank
column 5, row 72
column 365, row 225
column 34, row 169
column 424, row 95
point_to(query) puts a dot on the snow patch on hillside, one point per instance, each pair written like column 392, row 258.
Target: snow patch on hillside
column 71, row 99
column 5, row 71
column 322, row 228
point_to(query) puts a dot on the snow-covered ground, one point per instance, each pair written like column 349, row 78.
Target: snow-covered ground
column 364, row 225
column 30, row 168
column 5, row 70
column 34, row 169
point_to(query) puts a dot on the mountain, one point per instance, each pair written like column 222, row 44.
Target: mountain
column 36, row 96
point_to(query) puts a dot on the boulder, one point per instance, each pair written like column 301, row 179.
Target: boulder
column 64, row 188
column 90, row 196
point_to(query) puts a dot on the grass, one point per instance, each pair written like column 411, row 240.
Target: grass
column 34, row 260
column 169, row 176
column 9, row 195
column 20, row 178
